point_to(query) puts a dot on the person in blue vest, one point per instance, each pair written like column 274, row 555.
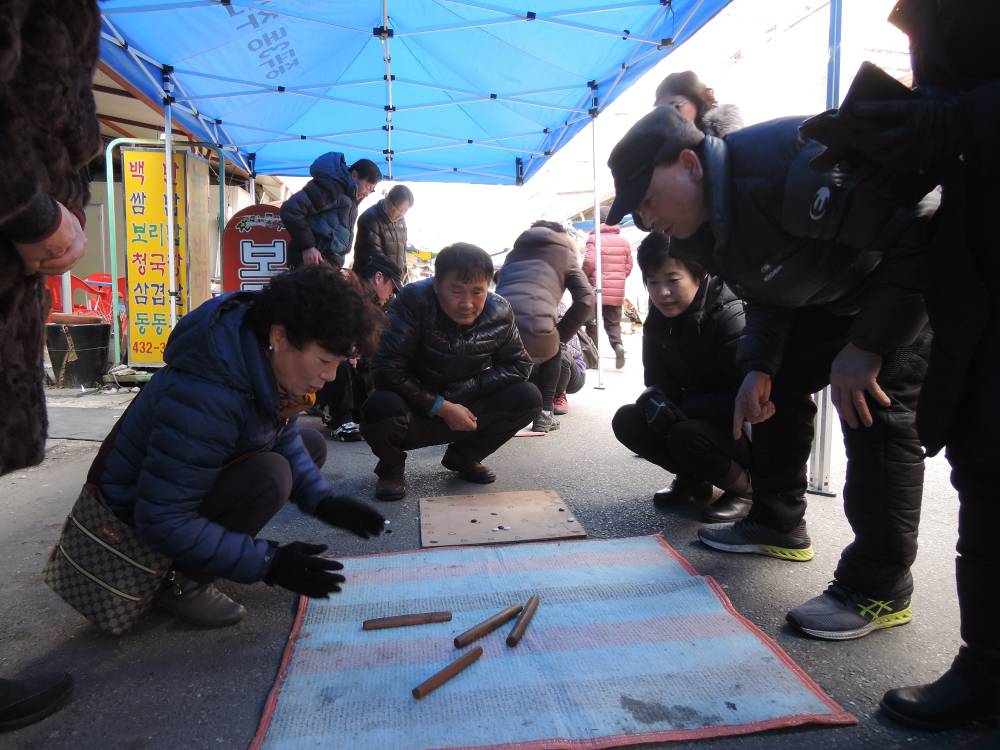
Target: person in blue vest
column 833, row 278
column 210, row 449
column 321, row 216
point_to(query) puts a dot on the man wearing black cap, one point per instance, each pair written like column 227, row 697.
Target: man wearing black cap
column 341, row 398
column 831, row 275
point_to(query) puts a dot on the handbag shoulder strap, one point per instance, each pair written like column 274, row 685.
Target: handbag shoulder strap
column 97, row 467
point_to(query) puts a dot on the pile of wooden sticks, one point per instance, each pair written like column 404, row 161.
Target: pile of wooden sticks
column 474, row 633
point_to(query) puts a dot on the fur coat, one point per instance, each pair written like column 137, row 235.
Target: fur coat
column 48, row 132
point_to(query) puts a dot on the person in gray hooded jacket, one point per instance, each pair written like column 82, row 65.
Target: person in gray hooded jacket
column 538, row 271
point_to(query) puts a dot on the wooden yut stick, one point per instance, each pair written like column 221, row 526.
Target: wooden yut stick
column 522, row 622
column 399, row 621
column 439, row 679
column 487, row 626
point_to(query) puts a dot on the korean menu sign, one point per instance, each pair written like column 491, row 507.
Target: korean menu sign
column 147, row 259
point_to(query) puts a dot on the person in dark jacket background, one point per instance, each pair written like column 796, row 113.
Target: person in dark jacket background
column 833, row 279
column 341, row 400
column 616, row 265
column 48, row 133
column 382, row 230
column 950, row 131
column 452, row 370
column 696, row 103
column 210, row 449
column 536, row 273
column 682, row 421
column 321, row 216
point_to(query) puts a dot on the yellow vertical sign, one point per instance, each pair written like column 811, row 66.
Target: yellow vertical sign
column 147, row 263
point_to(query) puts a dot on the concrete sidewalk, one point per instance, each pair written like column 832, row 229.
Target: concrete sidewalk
column 172, row 686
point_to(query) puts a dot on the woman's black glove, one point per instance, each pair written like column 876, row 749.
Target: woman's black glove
column 353, row 515
column 298, row 567
column 660, row 412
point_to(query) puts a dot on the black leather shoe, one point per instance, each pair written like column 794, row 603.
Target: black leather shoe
column 26, row 701
column 727, row 508
column 683, row 490
column 470, row 471
column 391, row 484
column 956, row 698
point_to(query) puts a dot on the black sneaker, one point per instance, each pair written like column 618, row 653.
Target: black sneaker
column 746, row 536
column 841, row 613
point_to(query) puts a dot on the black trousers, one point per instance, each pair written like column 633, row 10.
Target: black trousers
column 612, row 317
column 974, row 453
column 252, row 489
column 390, row 426
column 885, row 462
column 571, row 379
column 546, row 377
column 693, row 449
column 342, row 397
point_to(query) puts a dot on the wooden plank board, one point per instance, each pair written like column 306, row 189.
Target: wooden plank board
column 496, row 518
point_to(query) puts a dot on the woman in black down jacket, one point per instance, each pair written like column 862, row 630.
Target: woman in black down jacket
column 683, row 420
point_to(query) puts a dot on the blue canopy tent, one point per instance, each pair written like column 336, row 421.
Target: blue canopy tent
column 434, row 90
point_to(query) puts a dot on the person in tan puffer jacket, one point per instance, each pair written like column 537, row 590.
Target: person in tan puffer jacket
column 616, row 265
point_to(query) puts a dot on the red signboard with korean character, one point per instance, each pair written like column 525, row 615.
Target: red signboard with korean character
column 254, row 248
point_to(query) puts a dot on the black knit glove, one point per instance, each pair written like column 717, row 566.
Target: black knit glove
column 298, row 567
column 660, row 412
column 347, row 513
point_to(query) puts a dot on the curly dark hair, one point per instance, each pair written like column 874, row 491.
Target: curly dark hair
column 318, row 304
column 654, row 251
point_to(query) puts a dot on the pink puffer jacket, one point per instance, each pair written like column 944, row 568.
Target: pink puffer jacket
column 616, row 265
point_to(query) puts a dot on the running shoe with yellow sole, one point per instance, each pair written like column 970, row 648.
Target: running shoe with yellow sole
column 748, row 537
column 840, row 614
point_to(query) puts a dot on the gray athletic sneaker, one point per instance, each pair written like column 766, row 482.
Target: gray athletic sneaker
column 749, row 537
column 545, row 422
column 841, row 613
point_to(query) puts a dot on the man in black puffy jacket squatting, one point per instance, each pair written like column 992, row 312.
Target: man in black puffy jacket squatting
column 832, row 278
column 451, row 370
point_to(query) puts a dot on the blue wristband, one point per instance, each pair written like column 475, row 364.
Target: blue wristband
column 438, row 403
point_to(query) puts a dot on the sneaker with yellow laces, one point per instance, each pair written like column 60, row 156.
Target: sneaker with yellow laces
column 840, row 613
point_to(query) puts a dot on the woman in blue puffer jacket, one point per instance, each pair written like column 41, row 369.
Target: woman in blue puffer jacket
column 210, row 450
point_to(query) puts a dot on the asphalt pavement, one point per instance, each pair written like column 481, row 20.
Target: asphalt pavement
column 169, row 685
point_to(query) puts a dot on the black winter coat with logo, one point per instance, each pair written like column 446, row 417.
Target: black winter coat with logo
column 785, row 237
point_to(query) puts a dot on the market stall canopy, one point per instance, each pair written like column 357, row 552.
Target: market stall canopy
column 432, row 90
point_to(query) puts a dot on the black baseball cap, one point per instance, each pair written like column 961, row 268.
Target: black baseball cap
column 657, row 138
column 387, row 267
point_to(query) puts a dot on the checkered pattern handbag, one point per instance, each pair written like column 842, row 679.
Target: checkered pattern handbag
column 101, row 567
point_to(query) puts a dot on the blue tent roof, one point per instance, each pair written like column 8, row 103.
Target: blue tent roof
column 446, row 90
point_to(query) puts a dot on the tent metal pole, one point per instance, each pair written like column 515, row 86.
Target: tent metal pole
column 599, row 293
column 389, row 108
column 168, row 166
column 67, row 292
column 819, row 458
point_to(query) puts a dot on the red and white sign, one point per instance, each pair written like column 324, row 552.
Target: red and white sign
column 254, row 248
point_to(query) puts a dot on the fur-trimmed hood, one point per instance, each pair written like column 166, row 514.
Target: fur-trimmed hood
column 722, row 120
